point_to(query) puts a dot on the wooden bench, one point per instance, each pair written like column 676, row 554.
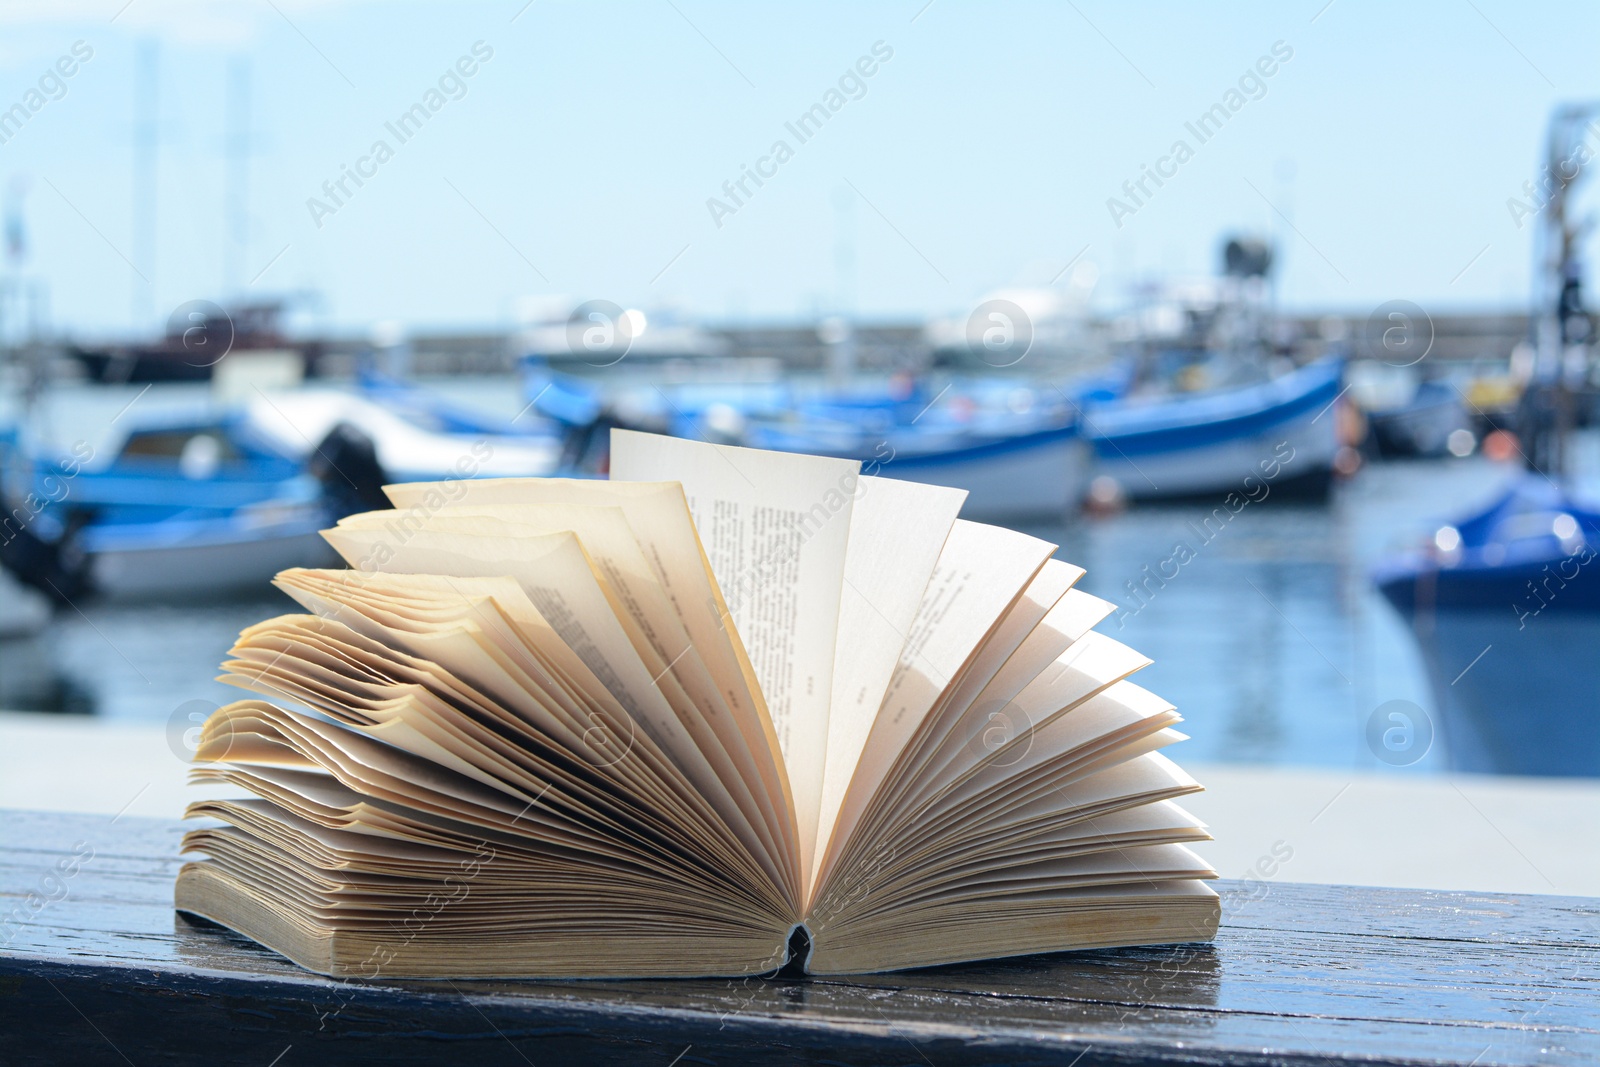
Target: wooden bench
column 95, row 967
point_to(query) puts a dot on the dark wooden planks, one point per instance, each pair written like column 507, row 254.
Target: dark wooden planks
column 1299, row 975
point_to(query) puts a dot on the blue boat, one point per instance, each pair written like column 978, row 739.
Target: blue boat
column 187, row 506
column 210, row 503
column 1505, row 605
column 1423, row 424
column 1208, row 443
column 1015, row 448
column 1023, row 449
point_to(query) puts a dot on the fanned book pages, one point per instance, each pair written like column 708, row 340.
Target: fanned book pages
column 728, row 708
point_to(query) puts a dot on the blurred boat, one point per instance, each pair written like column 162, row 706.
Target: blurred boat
column 1016, row 449
column 597, row 333
column 199, row 552
column 1408, row 415
column 425, row 408
column 198, row 336
column 407, row 447
column 200, row 505
column 1039, row 331
column 1505, row 605
column 1204, row 443
column 1210, row 396
column 185, row 507
column 1014, row 446
column 1423, row 424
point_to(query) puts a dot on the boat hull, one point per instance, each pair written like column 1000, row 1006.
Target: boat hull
column 205, row 570
column 407, row 452
column 1284, row 432
column 1421, row 428
column 139, row 366
column 184, row 559
column 1041, row 474
column 1505, row 608
column 1302, row 451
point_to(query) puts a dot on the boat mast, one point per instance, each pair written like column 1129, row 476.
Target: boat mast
column 146, row 147
column 237, row 192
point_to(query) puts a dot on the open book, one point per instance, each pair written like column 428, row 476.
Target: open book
column 729, row 710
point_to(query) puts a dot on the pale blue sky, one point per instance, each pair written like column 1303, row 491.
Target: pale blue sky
column 980, row 156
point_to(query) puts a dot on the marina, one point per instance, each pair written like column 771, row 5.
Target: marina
column 697, row 534
column 1309, row 626
column 1206, row 459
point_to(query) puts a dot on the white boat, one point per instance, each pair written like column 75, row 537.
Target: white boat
column 295, row 420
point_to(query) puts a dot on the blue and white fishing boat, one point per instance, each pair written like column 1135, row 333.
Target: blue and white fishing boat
column 183, row 507
column 1207, row 443
column 209, row 503
column 1407, row 414
column 1015, row 448
column 1210, row 396
column 1505, row 606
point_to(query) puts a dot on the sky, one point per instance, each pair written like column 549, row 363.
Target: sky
column 585, row 155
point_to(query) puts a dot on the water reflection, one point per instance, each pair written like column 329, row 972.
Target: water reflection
column 130, row 661
column 1266, row 632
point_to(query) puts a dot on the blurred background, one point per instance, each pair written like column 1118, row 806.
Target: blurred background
column 1275, row 318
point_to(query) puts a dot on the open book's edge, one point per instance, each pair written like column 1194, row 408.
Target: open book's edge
column 1191, row 917
column 204, row 891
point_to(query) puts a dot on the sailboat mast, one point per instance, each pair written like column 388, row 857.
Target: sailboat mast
column 145, row 149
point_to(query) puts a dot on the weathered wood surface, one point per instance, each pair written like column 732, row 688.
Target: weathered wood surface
column 108, row 973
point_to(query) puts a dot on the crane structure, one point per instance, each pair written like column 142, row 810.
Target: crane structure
column 1562, row 331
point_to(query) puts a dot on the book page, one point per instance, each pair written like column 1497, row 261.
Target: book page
column 609, row 540
column 976, row 729
column 775, row 528
column 446, row 611
column 559, row 581
column 660, row 520
column 897, row 531
column 981, row 571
